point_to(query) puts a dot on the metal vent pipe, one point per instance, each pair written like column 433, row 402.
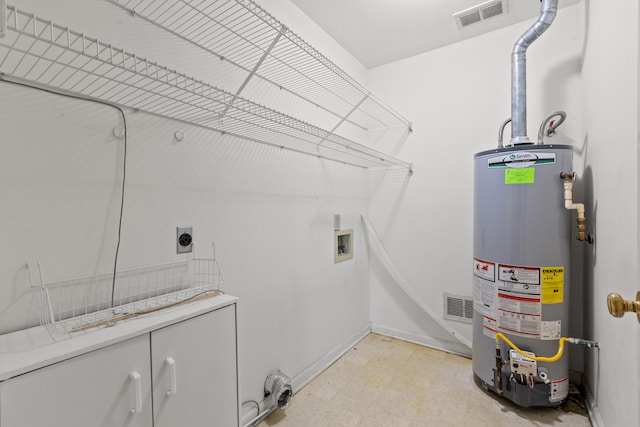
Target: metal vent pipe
column 519, row 71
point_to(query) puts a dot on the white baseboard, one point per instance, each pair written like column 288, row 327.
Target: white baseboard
column 327, row 360
column 592, row 406
column 315, row 369
column 446, row 346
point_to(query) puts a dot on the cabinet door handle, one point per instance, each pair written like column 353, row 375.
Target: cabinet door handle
column 173, row 389
column 137, row 392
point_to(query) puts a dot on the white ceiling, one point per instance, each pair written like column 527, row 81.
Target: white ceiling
column 377, row 32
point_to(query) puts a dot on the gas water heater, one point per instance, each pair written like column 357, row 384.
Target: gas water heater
column 521, row 251
column 521, row 247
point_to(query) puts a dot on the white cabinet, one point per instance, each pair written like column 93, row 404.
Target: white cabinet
column 96, row 389
column 169, row 370
column 194, row 372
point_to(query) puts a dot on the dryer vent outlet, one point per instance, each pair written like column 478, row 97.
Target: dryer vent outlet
column 278, row 387
column 184, row 243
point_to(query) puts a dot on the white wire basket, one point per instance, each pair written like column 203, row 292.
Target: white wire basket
column 81, row 304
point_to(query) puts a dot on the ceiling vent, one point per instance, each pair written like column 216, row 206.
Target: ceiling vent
column 480, row 12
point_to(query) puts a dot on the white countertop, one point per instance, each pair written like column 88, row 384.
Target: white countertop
column 34, row 348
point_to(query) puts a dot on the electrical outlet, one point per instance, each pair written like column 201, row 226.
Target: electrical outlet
column 184, row 239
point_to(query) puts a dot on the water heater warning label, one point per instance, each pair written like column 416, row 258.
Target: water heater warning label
column 552, row 285
column 489, row 327
column 519, row 300
column 510, row 298
column 484, row 288
column 559, row 389
column 484, row 270
column 519, row 324
column 522, row 279
column 551, row 330
column 517, row 304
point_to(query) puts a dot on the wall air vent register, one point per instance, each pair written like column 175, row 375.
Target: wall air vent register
column 480, row 12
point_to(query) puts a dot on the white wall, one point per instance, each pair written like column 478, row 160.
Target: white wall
column 299, row 23
column 610, row 79
column 457, row 96
column 269, row 211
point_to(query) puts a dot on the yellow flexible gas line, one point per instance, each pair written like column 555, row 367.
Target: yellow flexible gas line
column 558, row 355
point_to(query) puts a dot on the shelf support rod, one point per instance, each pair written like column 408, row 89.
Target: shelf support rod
column 283, row 30
column 343, row 119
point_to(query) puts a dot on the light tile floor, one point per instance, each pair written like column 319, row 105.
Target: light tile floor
column 388, row 382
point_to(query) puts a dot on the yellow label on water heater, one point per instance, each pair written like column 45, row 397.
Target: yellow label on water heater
column 552, row 285
column 519, row 175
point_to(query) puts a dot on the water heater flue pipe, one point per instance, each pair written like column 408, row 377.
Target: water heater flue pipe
column 519, row 71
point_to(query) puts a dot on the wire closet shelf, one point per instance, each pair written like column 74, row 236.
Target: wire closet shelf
column 87, row 303
column 43, row 53
column 243, row 34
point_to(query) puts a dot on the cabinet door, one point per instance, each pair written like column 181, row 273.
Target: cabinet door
column 110, row 387
column 194, row 369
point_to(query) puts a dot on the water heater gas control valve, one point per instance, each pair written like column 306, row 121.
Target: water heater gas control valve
column 521, row 365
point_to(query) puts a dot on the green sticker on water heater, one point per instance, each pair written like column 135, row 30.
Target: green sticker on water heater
column 519, row 175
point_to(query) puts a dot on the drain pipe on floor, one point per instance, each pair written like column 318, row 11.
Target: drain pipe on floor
column 376, row 244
